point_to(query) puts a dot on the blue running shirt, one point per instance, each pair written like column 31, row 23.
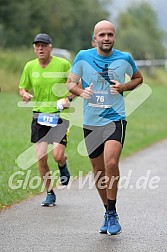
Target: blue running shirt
column 103, row 107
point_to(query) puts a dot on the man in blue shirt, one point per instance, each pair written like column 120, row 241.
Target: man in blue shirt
column 102, row 72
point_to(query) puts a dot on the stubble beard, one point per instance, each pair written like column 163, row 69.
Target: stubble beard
column 106, row 50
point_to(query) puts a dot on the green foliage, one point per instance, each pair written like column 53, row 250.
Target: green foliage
column 139, row 33
column 14, row 61
column 12, row 66
column 69, row 22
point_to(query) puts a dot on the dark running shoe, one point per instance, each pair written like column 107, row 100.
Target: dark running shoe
column 50, row 200
column 64, row 174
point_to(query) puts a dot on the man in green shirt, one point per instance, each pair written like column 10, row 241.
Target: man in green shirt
column 43, row 81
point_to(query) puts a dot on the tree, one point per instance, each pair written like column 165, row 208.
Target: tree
column 69, row 22
column 74, row 25
column 139, row 33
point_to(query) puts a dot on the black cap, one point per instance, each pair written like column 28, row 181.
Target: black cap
column 42, row 37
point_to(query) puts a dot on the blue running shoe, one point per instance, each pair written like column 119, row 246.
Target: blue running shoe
column 64, row 174
column 50, row 200
column 104, row 227
column 113, row 224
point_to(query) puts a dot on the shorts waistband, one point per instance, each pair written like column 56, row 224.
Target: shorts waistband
column 35, row 114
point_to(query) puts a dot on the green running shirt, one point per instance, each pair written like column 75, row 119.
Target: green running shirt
column 47, row 84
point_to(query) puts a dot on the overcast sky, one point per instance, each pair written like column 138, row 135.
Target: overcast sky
column 160, row 6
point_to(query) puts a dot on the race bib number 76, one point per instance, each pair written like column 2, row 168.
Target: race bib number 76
column 100, row 99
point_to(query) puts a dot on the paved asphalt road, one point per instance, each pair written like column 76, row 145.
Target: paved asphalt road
column 72, row 225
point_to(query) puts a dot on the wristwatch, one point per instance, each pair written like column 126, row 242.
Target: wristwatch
column 70, row 98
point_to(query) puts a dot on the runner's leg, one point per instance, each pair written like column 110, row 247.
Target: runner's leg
column 99, row 170
column 41, row 150
column 112, row 151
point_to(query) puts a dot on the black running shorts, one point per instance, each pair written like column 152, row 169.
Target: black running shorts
column 42, row 133
column 96, row 136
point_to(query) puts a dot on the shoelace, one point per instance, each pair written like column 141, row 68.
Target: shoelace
column 112, row 219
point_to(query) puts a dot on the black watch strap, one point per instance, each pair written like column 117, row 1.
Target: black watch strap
column 70, row 99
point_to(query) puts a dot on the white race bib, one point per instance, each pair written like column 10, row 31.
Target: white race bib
column 100, row 99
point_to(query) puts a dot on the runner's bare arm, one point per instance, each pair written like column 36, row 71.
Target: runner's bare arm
column 135, row 81
column 26, row 96
column 74, row 85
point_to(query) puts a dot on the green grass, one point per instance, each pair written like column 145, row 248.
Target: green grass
column 146, row 126
column 13, row 61
column 12, row 66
